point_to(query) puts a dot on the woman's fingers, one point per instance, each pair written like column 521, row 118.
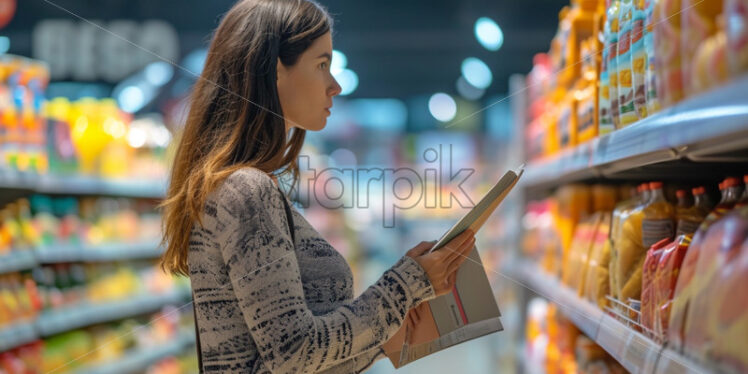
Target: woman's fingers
column 420, row 249
column 462, row 254
column 460, row 251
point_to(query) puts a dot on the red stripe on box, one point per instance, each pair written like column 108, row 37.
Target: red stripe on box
column 459, row 305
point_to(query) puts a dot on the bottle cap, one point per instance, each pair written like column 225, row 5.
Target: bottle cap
column 700, row 190
column 745, row 179
column 655, row 185
column 681, row 193
column 721, row 185
column 731, row 182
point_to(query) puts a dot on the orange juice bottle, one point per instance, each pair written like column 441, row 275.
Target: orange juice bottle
column 691, row 217
column 653, row 101
column 736, row 19
column 639, row 57
column 611, row 38
column 659, row 217
column 667, row 29
column 698, row 22
column 626, row 106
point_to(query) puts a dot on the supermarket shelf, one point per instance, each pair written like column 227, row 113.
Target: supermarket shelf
column 74, row 317
column 27, row 259
column 710, row 127
column 139, row 360
column 17, row 335
column 104, row 252
column 636, row 352
column 80, row 185
column 77, row 316
column 17, row 261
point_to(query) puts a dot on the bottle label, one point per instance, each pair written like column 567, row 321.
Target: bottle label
column 686, row 227
column 654, row 230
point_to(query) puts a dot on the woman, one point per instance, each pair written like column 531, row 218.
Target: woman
column 272, row 296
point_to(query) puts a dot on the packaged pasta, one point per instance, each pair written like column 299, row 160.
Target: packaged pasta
column 665, row 280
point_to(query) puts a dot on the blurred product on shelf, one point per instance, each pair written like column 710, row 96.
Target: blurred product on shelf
column 95, row 137
column 97, row 346
column 88, row 136
column 627, row 59
column 50, row 222
column 26, row 359
column 671, row 271
column 555, row 345
column 22, row 123
column 20, row 300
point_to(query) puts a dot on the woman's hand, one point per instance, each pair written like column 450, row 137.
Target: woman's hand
column 441, row 265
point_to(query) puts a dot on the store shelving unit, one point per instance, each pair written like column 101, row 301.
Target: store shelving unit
column 702, row 132
column 80, row 185
column 703, row 137
column 141, row 359
column 17, row 261
column 24, row 260
column 77, row 316
column 636, row 352
column 98, row 253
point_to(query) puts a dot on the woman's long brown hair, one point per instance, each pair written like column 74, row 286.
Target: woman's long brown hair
column 235, row 118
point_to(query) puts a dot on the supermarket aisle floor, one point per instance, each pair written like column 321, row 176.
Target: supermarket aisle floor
column 475, row 357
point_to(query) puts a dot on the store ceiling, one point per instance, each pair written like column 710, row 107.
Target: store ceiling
column 397, row 48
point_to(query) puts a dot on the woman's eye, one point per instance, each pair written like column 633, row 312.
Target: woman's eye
column 323, row 65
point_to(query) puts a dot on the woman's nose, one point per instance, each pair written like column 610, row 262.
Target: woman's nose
column 335, row 89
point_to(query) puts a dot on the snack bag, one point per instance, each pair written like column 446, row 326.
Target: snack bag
column 648, row 299
column 628, row 113
column 639, row 58
column 665, row 280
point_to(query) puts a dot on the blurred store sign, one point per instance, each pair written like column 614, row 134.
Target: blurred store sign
column 108, row 51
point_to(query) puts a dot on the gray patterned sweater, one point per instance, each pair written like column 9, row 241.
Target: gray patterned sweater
column 267, row 305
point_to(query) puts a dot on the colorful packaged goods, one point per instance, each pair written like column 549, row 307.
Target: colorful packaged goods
column 597, row 282
column 686, row 286
column 667, row 31
column 22, row 125
column 665, row 280
column 720, row 246
column 567, row 122
column 698, row 22
column 710, row 62
column 627, row 110
column 648, row 296
column 585, row 92
column 639, row 57
column 628, row 252
column 585, row 235
column 690, row 217
column 605, row 116
column 612, row 28
column 653, row 100
column 736, row 25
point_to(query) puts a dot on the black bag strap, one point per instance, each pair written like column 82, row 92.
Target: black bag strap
column 197, row 336
column 289, row 218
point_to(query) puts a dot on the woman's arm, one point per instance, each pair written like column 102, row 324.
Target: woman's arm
column 261, row 262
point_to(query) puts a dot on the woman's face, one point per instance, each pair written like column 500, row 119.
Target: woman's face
column 306, row 89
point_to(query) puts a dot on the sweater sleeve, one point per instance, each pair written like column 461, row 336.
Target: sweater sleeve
column 264, row 273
